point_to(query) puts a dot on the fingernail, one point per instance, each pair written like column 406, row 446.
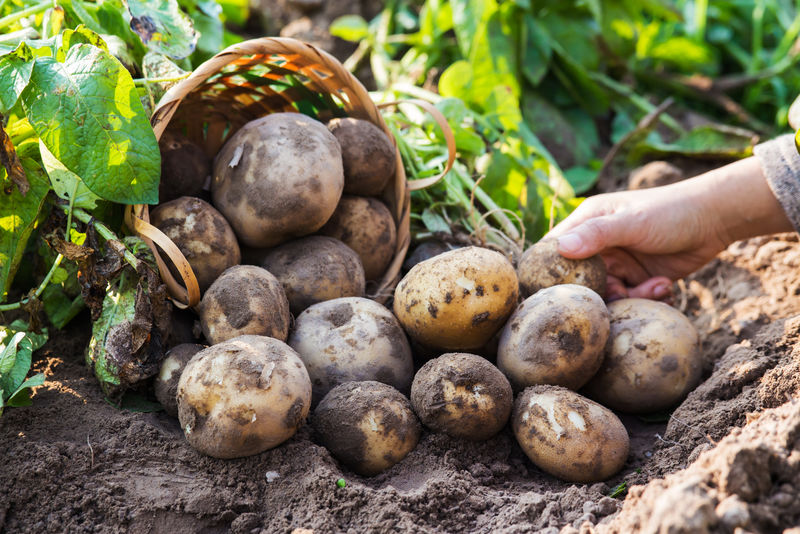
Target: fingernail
column 662, row 290
column 570, row 242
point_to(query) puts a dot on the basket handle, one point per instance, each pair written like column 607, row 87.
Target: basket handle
column 422, row 183
column 182, row 297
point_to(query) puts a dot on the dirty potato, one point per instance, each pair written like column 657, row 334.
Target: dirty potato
column 352, row 339
column 278, row 177
column 368, row 426
column 457, row 300
column 366, row 225
column 243, row 396
column 184, row 167
column 569, row 436
column 201, row 233
column 462, row 395
column 165, row 383
column 557, row 336
column 652, row 358
column 314, row 269
column 368, row 156
column 542, row 266
column 245, row 299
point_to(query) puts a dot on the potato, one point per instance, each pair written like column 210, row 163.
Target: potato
column 568, row 435
column 201, row 233
column 425, row 251
column 368, row 426
column 557, row 336
column 462, row 395
column 368, row 156
column 457, row 300
column 365, row 225
column 245, row 299
column 278, row 177
column 165, row 383
column 243, row 396
column 542, row 266
column 185, row 168
column 314, row 269
column 351, row 339
column 652, row 358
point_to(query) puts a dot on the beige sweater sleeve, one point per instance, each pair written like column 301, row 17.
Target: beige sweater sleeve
column 781, row 164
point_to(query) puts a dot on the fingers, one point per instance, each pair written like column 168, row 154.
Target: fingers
column 656, row 288
column 593, row 236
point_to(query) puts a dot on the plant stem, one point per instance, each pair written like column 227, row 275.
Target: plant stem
column 14, row 38
column 8, row 20
column 39, row 290
column 104, row 232
column 145, row 81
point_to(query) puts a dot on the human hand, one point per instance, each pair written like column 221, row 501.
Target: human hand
column 649, row 238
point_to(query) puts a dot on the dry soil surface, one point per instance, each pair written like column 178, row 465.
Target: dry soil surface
column 727, row 458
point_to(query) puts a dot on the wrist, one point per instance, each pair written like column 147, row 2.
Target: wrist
column 741, row 203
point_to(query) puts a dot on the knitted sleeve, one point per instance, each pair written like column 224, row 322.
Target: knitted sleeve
column 781, row 164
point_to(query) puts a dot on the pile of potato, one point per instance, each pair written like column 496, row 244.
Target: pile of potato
column 289, row 328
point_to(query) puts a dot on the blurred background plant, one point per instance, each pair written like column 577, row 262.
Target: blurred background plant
column 549, row 98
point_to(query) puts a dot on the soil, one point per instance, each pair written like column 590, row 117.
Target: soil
column 75, row 463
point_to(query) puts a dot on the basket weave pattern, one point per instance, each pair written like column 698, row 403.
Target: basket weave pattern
column 250, row 80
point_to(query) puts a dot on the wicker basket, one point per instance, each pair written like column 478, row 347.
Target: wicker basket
column 252, row 79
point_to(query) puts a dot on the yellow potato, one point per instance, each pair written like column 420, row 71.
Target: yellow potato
column 243, row 396
column 652, row 358
column 368, row 426
column 462, row 395
column 542, row 266
column 557, row 336
column 569, row 436
column 457, row 300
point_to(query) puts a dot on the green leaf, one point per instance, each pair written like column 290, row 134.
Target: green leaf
column 18, row 216
column 8, row 359
column 59, row 307
column 713, row 141
column 163, row 27
column 351, row 28
column 211, row 33
column 67, row 184
column 456, row 81
column 434, row 222
column 581, row 178
column 15, row 71
column 536, row 52
column 21, row 397
column 236, row 11
column 80, row 35
column 88, row 114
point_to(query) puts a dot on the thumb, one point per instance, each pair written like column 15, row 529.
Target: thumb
column 593, row 236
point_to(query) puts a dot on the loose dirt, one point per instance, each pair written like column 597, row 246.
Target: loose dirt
column 727, row 457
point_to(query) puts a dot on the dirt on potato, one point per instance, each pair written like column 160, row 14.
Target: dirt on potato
column 74, row 463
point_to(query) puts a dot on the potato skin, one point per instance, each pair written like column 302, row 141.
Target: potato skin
column 165, row 384
column 557, row 336
column 568, row 435
column 652, row 358
column 245, row 299
column 278, row 177
column 201, row 233
column 184, row 167
column 365, row 225
column 542, row 266
column 457, row 300
column 243, row 396
column 368, row 156
column 462, row 395
column 368, row 426
column 315, row 269
column 352, row 339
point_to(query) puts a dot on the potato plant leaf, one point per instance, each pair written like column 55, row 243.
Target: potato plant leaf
column 16, row 350
column 15, row 71
column 67, row 184
column 163, row 27
column 18, row 215
column 88, row 114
